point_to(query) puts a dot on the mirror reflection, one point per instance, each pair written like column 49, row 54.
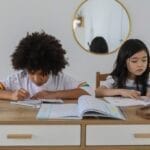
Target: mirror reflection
column 101, row 26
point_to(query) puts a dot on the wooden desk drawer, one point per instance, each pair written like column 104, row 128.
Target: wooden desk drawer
column 39, row 135
column 118, row 135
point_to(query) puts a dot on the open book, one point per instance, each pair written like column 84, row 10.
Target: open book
column 87, row 106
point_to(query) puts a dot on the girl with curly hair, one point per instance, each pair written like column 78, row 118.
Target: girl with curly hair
column 40, row 59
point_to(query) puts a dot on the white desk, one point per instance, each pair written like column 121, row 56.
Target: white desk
column 19, row 129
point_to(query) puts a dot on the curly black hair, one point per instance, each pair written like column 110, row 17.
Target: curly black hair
column 39, row 51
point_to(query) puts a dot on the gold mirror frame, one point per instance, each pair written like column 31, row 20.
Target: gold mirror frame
column 81, row 24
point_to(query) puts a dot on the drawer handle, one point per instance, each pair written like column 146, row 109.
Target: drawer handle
column 19, row 136
column 142, row 135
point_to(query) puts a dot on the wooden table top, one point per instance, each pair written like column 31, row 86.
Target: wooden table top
column 17, row 114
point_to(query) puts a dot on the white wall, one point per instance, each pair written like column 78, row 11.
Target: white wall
column 55, row 17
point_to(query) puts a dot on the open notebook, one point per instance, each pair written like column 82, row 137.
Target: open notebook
column 87, row 106
column 36, row 103
column 124, row 102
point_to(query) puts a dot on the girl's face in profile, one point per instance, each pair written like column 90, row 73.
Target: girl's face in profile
column 38, row 78
column 137, row 64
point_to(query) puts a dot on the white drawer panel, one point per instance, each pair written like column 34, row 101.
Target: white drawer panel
column 41, row 135
column 117, row 135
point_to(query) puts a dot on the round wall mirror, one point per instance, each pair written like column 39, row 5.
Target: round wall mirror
column 101, row 26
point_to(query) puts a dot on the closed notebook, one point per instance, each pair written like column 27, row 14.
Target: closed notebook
column 87, row 106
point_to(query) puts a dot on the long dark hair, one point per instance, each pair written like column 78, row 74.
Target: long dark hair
column 120, row 72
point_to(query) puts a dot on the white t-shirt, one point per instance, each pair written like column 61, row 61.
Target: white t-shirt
column 111, row 83
column 60, row 82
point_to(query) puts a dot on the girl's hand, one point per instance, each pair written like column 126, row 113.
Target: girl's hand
column 20, row 94
column 131, row 93
column 41, row 95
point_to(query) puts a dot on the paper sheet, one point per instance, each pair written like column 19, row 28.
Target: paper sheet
column 120, row 101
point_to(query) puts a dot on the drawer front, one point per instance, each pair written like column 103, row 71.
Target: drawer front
column 39, row 135
column 118, row 135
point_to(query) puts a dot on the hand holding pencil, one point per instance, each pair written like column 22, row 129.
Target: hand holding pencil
column 20, row 94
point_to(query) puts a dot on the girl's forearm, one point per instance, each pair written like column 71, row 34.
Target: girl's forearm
column 5, row 95
column 101, row 92
column 67, row 94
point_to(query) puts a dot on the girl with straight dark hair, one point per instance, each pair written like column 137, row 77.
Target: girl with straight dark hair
column 130, row 77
